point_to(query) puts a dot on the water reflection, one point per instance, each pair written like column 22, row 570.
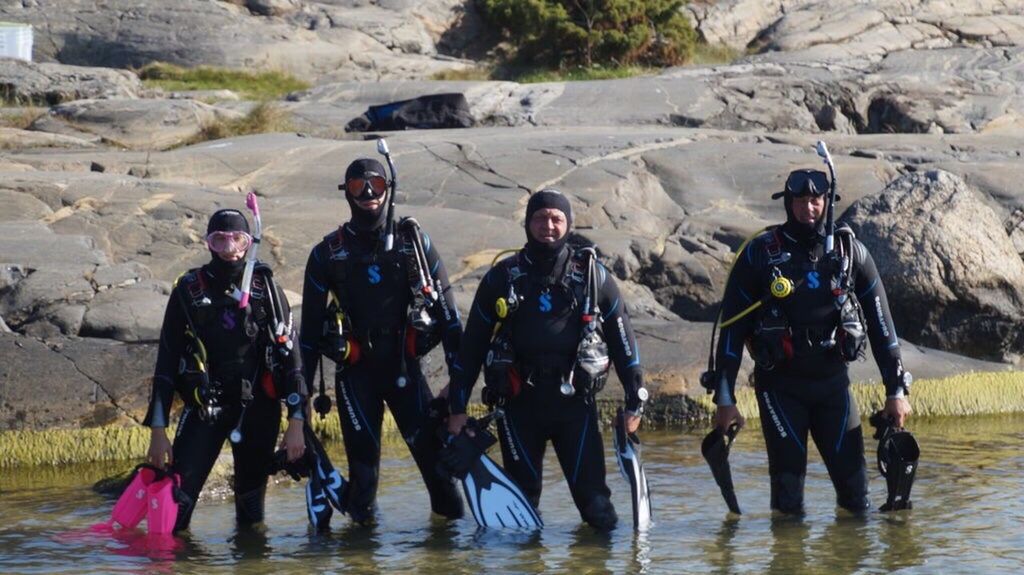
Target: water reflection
column 721, row 551
column 789, row 540
column 967, row 517
column 250, row 542
column 592, row 548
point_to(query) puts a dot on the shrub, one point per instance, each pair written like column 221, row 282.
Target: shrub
column 588, row 32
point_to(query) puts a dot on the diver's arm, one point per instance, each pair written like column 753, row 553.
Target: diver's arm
column 294, row 388
column 885, row 346
column 169, row 352
column 618, row 334
column 451, row 324
column 475, row 341
column 741, row 292
column 314, row 304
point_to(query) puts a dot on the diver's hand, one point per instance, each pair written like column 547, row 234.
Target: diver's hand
column 456, row 422
column 725, row 415
column 897, row 409
column 293, row 441
column 632, row 423
column 160, row 453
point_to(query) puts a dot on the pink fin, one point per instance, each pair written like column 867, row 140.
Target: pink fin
column 131, row 506
column 162, row 510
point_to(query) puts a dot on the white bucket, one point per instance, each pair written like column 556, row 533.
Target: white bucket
column 15, row 41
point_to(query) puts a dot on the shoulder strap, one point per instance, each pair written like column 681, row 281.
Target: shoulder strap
column 773, row 245
column 195, row 285
column 336, row 245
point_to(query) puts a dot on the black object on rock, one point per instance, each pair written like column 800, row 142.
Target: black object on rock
column 433, row 112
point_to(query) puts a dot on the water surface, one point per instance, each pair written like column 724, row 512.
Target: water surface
column 968, row 516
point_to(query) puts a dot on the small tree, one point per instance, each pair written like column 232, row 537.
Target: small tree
column 587, row 32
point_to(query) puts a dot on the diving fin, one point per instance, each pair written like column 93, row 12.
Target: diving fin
column 493, row 497
column 318, row 505
column 715, row 449
column 898, row 454
column 333, row 484
column 297, row 469
column 627, row 452
column 130, row 508
column 163, row 495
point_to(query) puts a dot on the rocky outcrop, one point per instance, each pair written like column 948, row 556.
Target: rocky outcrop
column 101, row 207
column 133, row 124
column 50, row 84
column 74, row 383
column 953, row 276
column 793, row 28
column 350, row 40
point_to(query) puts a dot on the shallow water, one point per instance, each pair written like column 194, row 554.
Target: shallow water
column 968, row 516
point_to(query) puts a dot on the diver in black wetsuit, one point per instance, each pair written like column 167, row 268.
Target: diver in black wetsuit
column 545, row 332
column 230, row 366
column 356, row 310
column 801, row 339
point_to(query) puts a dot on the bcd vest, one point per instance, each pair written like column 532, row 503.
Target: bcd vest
column 776, row 341
column 232, row 342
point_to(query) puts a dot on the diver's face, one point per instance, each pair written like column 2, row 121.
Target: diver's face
column 809, row 209
column 548, row 225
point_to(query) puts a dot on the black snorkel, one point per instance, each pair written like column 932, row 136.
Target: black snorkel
column 389, row 237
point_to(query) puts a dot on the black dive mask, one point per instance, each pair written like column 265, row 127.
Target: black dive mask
column 364, row 180
column 800, row 184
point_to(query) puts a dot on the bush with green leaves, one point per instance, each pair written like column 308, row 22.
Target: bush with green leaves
column 594, row 32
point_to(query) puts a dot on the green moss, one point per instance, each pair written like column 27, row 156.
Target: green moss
column 60, row 446
column 263, row 85
column 960, row 395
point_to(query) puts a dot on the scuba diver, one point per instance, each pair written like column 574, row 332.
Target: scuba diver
column 375, row 308
column 537, row 322
column 230, row 365
column 804, row 296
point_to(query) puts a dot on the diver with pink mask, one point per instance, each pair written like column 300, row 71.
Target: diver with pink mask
column 229, row 357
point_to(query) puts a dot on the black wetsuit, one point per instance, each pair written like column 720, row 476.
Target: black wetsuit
column 809, row 390
column 373, row 289
column 236, row 343
column 545, row 333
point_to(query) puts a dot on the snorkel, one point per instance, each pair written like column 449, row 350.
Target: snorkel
column 242, row 294
column 830, row 224
column 389, row 238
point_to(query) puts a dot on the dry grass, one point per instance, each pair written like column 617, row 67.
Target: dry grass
column 266, row 117
column 712, row 54
column 20, row 117
column 474, row 74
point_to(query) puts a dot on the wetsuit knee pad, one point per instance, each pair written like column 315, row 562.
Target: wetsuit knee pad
column 249, row 506
column 852, row 492
column 600, row 514
column 445, row 499
column 185, row 509
column 788, row 493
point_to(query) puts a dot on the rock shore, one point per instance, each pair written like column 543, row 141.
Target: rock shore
column 102, row 206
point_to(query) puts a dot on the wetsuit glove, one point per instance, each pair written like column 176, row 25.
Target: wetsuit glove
column 462, row 451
